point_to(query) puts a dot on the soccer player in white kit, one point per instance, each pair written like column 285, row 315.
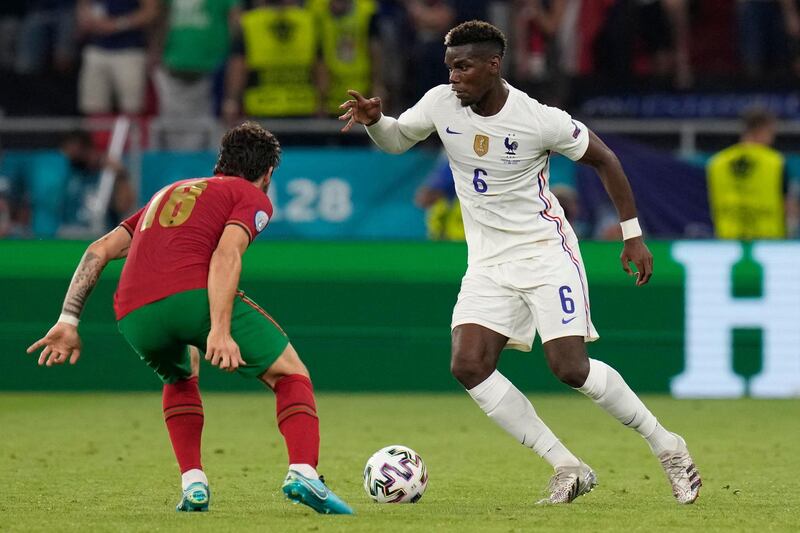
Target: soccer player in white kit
column 525, row 272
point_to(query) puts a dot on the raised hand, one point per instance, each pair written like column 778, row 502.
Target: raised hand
column 223, row 351
column 360, row 110
column 62, row 342
column 635, row 251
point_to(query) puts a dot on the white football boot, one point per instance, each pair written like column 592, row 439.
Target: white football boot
column 681, row 472
column 569, row 482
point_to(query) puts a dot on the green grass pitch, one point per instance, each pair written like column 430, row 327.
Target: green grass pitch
column 102, row 462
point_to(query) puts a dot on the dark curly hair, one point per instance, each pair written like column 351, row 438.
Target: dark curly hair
column 247, row 151
column 476, row 32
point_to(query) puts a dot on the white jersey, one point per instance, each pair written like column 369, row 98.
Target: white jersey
column 500, row 167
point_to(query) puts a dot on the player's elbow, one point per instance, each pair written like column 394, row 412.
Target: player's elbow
column 101, row 250
column 226, row 259
column 395, row 149
column 606, row 160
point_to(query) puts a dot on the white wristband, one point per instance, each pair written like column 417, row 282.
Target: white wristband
column 630, row 229
column 69, row 319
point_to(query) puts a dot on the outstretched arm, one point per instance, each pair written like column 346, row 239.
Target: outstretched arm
column 391, row 135
column 605, row 162
column 223, row 278
column 62, row 342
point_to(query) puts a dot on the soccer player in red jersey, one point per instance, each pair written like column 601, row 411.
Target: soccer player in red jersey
column 178, row 289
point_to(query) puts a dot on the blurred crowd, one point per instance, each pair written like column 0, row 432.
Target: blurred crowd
column 205, row 61
column 196, row 58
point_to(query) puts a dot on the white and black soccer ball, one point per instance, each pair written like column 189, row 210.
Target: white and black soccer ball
column 395, row 474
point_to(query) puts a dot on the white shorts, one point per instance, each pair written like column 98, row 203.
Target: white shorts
column 547, row 293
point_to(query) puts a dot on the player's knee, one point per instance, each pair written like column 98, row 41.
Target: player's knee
column 570, row 371
column 470, row 372
column 288, row 364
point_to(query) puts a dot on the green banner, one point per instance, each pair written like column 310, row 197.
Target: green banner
column 375, row 316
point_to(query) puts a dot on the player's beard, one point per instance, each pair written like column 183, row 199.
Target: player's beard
column 466, row 102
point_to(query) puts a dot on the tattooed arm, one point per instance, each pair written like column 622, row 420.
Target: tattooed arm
column 62, row 342
column 112, row 245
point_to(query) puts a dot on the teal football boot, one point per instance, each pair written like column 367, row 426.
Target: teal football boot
column 195, row 498
column 314, row 493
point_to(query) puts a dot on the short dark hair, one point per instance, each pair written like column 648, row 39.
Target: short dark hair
column 757, row 117
column 247, row 151
column 474, row 32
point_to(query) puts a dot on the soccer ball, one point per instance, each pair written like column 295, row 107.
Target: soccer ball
column 395, row 474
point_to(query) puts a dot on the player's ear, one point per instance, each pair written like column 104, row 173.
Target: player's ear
column 268, row 176
column 266, row 179
column 494, row 64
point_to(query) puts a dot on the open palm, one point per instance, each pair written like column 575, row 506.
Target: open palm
column 360, row 110
column 61, row 343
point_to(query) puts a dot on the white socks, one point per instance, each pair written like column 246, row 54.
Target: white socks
column 607, row 389
column 193, row 476
column 307, row 470
column 512, row 411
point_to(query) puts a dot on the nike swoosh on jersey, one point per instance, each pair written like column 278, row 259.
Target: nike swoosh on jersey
column 567, row 321
column 448, row 130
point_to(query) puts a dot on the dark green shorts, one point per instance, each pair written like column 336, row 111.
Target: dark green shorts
column 162, row 331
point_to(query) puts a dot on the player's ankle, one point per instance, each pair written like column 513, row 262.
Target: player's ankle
column 559, row 456
column 305, row 470
column 661, row 440
column 195, row 475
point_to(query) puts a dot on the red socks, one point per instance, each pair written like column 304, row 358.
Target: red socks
column 183, row 413
column 296, row 413
column 297, row 418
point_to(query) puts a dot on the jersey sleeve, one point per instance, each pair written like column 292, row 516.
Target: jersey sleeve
column 415, row 122
column 251, row 210
column 398, row 135
column 129, row 224
column 562, row 134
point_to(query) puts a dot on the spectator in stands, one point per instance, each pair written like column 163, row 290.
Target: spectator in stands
column 272, row 70
column 114, row 58
column 350, row 50
column 11, row 14
column 747, row 184
column 6, row 207
column 645, row 38
column 767, row 29
column 569, row 199
column 85, row 166
column 392, row 22
column 437, row 196
column 676, row 59
column 538, row 66
column 46, row 21
column 430, row 20
column 193, row 43
column 6, row 203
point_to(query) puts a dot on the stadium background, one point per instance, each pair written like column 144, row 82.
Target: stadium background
column 347, row 234
column 349, row 268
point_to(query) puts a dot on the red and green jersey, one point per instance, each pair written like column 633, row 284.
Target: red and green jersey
column 175, row 234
